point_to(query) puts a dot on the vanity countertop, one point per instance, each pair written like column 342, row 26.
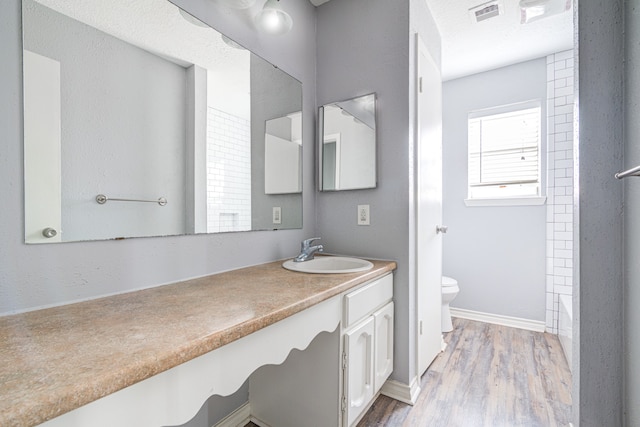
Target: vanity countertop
column 57, row 359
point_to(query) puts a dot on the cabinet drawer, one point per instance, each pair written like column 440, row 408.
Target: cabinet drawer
column 365, row 300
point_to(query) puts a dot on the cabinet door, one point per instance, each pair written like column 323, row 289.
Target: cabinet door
column 359, row 369
column 383, row 344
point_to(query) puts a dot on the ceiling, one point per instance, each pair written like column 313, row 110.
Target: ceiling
column 469, row 47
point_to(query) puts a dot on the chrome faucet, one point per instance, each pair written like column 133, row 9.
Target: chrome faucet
column 307, row 251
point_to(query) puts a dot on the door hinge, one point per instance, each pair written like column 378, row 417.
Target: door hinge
column 420, row 84
column 344, row 361
column 343, row 405
column 421, row 327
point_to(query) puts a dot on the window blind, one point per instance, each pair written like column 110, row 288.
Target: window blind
column 504, row 148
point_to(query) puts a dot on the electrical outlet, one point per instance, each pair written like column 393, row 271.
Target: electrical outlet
column 363, row 215
column 277, row 215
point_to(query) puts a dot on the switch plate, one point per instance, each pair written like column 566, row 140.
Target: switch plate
column 363, row 215
column 277, row 215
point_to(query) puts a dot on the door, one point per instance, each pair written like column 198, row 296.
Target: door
column 42, row 149
column 383, row 344
column 359, row 376
column 428, row 207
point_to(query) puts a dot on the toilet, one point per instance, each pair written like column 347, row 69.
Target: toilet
column 449, row 291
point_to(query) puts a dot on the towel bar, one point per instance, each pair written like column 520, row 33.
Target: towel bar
column 630, row 172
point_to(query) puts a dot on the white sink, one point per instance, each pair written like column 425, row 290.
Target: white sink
column 329, row 264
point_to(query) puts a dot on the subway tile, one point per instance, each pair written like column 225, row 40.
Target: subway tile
column 565, row 145
column 549, row 299
column 563, row 254
column 563, row 218
column 551, row 264
column 563, row 182
column 564, row 109
column 564, row 55
column 551, row 72
column 563, row 91
column 562, row 272
column 562, row 290
column 563, row 235
column 565, row 200
column 558, row 83
column 564, row 72
column 558, row 281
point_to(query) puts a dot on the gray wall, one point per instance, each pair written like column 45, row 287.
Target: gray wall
column 497, row 253
column 632, row 213
column 123, row 129
column 598, row 362
column 365, row 46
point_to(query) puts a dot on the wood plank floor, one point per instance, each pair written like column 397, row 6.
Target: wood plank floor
column 488, row 376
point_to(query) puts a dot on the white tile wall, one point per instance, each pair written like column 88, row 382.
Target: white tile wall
column 559, row 183
column 228, row 172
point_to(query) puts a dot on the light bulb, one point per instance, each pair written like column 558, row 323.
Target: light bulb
column 272, row 19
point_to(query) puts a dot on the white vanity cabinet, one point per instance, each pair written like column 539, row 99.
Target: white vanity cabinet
column 368, row 346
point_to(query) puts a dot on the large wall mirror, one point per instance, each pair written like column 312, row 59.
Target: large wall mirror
column 140, row 120
column 347, row 144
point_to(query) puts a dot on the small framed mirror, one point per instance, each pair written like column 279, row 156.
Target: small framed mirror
column 347, row 144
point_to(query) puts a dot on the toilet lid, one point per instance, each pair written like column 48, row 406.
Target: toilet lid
column 448, row 281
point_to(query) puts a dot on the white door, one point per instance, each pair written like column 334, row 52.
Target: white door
column 429, row 207
column 359, row 375
column 383, row 343
column 42, row 155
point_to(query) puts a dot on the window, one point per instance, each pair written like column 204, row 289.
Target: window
column 504, row 152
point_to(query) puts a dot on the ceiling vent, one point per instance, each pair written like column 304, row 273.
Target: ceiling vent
column 486, row 11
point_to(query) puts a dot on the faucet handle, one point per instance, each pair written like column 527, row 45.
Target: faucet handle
column 307, row 243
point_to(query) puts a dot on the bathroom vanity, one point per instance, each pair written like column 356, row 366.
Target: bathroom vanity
column 316, row 348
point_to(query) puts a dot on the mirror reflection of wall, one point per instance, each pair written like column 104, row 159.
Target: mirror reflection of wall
column 348, row 149
column 151, row 103
column 283, row 151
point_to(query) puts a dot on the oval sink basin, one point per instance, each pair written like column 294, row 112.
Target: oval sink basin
column 329, row 264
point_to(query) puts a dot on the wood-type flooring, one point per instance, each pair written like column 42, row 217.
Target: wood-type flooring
column 488, row 376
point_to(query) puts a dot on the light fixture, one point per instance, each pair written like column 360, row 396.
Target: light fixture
column 533, row 10
column 231, row 43
column 192, row 19
column 272, row 19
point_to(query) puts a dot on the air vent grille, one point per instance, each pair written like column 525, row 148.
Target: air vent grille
column 486, row 11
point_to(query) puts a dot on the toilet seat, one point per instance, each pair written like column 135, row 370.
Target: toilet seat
column 448, row 281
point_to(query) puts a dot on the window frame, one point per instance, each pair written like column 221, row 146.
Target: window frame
column 511, row 200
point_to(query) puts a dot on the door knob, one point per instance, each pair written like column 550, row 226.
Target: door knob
column 49, row 232
column 441, row 229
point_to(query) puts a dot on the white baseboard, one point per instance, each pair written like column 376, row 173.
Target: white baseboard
column 497, row 319
column 402, row 392
column 239, row 417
